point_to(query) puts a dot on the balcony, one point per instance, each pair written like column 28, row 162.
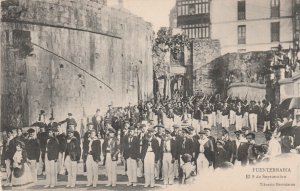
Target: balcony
column 193, row 19
column 241, row 15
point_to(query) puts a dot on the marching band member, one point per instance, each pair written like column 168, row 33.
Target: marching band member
column 72, row 156
column 9, row 151
column 141, row 137
column 267, row 118
column 111, row 149
column 158, row 166
column 170, row 155
column 93, row 158
column 231, row 113
column 131, row 150
column 51, row 157
column 245, row 113
column 32, row 148
column 238, row 112
column 225, row 113
column 85, row 146
column 204, row 151
column 62, row 142
column 150, row 155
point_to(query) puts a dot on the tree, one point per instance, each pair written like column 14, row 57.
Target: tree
column 167, row 44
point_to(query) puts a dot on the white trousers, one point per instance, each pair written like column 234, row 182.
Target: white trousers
column 140, row 169
column 71, row 167
column 267, row 126
column 210, row 120
column 111, row 168
column 157, row 169
column 51, row 174
column 149, row 168
column 60, row 167
column 246, row 119
column 239, row 122
column 214, row 119
column 131, row 170
column 8, row 170
column 33, row 168
column 219, row 117
column 196, row 125
column 225, row 121
column 204, row 124
column 253, row 121
column 202, row 164
column 168, row 169
column 92, row 170
column 232, row 117
column 176, row 169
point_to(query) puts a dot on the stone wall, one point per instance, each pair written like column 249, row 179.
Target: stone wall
column 204, row 51
column 250, row 67
column 250, row 91
column 110, row 44
column 290, row 87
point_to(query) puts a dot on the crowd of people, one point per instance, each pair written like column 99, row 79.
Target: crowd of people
column 171, row 139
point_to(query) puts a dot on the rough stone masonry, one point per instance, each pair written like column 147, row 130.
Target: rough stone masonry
column 38, row 37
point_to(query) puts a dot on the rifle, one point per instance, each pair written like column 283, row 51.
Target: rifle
column 209, row 99
column 246, row 96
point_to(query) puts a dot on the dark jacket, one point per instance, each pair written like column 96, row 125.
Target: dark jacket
column 132, row 149
column 174, row 148
column 229, row 148
column 242, row 153
column 8, row 149
column 114, row 148
column 98, row 125
column 234, row 151
column 42, row 137
column 155, row 147
column 220, row 157
column 69, row 121
column 32, row 148
column 160, row 143
column 297, row 136
column 208, row 150
column 72, row 149
column 52, row 148
column 186, row 147
column 95, row 149
column 62, row 142
column 85, row 145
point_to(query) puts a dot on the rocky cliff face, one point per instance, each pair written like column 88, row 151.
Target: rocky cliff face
column 39, row 39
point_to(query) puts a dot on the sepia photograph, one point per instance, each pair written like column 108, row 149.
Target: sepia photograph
column 141, row 95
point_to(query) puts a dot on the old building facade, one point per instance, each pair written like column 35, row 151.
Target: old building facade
column 66, row 56
column 244, row 26
column 193, row 17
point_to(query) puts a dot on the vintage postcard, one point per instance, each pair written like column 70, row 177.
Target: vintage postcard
column 150, row 95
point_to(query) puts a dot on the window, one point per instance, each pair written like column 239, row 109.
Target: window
column 192, row 7
column 275, row 8
column 275, row 32
column 242, row 34
column 241, row 10
column 197, row 30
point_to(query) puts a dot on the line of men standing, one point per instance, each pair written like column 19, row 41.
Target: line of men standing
column 157, row 151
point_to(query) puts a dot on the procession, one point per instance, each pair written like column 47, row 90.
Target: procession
column 150, row 95
column 165, row 143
